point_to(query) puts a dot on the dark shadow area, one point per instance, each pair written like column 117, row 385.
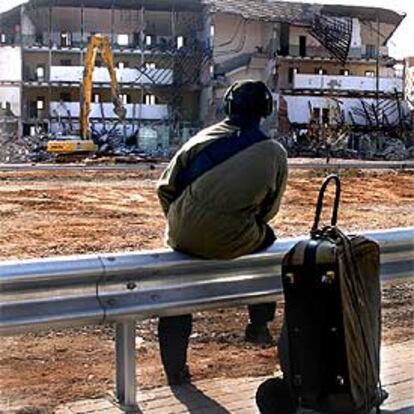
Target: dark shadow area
column 195, row 400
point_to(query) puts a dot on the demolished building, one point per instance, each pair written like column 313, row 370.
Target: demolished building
column 327, row 56
column 409, row 81
column 175, row 59
column 159, row 56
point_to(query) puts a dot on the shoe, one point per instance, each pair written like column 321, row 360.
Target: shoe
column 273, row 396
column 180, row 377
column 258, row 334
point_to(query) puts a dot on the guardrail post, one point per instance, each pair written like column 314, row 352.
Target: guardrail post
column 125, row 363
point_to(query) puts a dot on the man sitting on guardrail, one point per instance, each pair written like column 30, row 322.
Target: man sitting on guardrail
column 218, row 193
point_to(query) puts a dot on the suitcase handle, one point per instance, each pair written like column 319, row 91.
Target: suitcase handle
column 319, row 204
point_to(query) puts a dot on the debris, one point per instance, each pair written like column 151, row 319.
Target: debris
column 366, row 147
column 25, row 149
column 395, row 150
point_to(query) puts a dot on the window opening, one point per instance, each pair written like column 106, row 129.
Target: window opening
column 40, row 104
column 180, row 42
column 150, row 99
column 302, row 46
column 123, row 40
column 291, row 74
column 65, row 39
column 40, row 72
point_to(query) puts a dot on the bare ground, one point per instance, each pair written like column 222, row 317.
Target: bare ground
column 55, row 213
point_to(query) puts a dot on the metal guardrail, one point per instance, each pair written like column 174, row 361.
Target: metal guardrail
column 121, row 288
column 334, row 164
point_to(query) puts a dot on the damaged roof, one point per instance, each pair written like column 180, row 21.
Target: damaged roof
column 299, row 13
column 265, row 10
column 190, row 5
column 363, row 13
column 272, row 11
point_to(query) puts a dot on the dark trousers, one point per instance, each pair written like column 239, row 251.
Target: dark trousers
column 173, row 335
column 174, row 331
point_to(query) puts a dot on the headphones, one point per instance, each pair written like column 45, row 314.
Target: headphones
column 263, row 108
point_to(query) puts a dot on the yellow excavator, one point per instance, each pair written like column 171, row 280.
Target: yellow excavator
column 84, row 143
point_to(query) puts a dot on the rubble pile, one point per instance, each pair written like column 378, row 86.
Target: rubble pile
column 114, row 144
column 288, row 142
column 114, row 147
column 368, row 146
column 395, row 150
column 26, row 149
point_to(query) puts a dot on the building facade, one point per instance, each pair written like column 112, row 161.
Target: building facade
column 321, row 61
column 175, row 59
column 160, row 53
column 409, row 81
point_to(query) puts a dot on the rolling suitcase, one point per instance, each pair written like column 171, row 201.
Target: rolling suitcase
column 330, row 343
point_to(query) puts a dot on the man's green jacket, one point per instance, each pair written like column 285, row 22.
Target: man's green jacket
column 223, row 213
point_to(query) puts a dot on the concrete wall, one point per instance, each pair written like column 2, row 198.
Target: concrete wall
column 363, row 33
column 346, row 83
column 73, row 93
column 356, row 68
column 369, row 34
column 164, row 23
column 11, row 94
column 10, row 64
column 130, row 60
column 206, row 105
column 35, row 23
column 128, row 75
column 152, row 112
column 356, row 39
column 108, row 22
column 135, row 95
column 35, row 20
column 315, row 48
column 30, row 97
column 235, row 36
column 298, row 107
column 256, row 70
column 75, row 58
column 27, row 20
column 190, row 105
column 31, row 60
column 69, row 19
column 409, row 86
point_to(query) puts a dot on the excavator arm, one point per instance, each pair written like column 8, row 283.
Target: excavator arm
column 75, row 144
column 98, row 44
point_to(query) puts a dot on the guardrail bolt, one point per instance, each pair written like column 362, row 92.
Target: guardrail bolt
column 290, row 278
column 131, row 285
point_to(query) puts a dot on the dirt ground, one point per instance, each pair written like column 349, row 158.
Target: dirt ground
column 58, row 213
